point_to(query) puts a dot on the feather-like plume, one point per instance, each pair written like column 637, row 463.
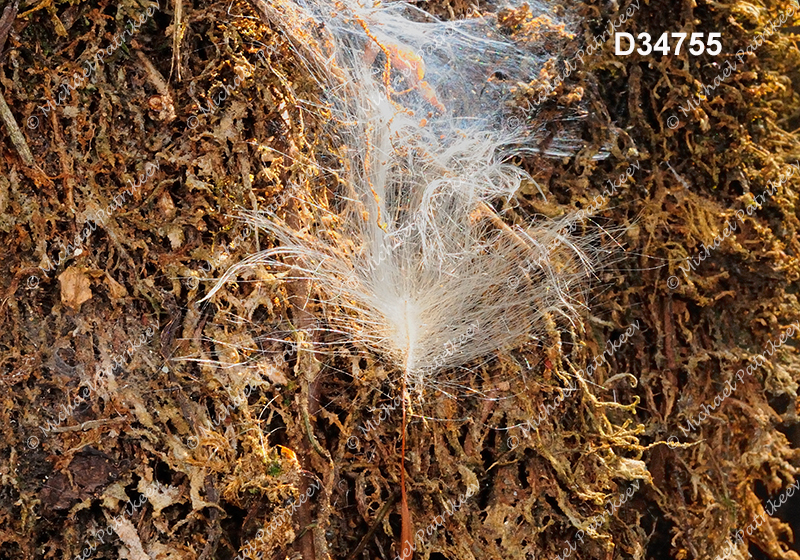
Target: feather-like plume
column 413, row 259
column 414, row 255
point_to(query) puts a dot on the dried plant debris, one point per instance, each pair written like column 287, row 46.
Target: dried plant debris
column 140, row 422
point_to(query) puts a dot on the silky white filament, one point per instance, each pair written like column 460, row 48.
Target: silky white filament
column 414, row 261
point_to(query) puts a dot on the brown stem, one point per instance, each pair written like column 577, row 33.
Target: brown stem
column 405, row 531
column 405, row 516
column 299, row 291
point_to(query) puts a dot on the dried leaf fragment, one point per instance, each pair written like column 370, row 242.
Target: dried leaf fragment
column 116, row 289
column 128, row 535
column 75, row 287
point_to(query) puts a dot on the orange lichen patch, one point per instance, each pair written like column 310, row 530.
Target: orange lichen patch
column 288, row 454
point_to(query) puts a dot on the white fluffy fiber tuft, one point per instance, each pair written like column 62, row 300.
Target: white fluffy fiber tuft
column 414, row 262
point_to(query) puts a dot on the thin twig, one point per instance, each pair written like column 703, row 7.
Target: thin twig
column 88, row 425
column 375, row 524
column 158, row 81
column 9, row 14
column 177, row 36
column 16, row 134
column 310, row 434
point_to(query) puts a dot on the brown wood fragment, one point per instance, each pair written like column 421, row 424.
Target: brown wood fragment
column 17, row 137
column 9, row 14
